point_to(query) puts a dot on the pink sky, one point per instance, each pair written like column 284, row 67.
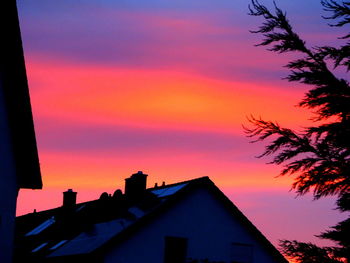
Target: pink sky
column 164, row 88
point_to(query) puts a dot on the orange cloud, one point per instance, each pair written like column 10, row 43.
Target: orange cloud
column 105, row 170
column 155, row 98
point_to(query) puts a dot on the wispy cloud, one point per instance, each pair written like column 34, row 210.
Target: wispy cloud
column 162, row 86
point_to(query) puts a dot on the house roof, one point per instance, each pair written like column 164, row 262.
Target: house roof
column 65, row 233
column 13, row 84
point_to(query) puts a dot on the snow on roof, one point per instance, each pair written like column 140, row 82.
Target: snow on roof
column 100, row 233
column 91, row 226
column 39, row 247
column 58, row 244
column 89, row 240
column 42, row 226
column 166, row 191
column 137, row 212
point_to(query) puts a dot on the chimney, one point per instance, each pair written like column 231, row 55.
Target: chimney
column 69, row 198
column 135, row 185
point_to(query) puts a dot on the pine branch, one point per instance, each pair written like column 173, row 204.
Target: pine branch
column 337, row 10
column 312, row 68
column 309, row 253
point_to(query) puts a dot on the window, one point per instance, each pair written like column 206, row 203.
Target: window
column 175, row 250
column 241, row 253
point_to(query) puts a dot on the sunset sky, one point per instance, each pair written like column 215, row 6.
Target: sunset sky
column 164, row 86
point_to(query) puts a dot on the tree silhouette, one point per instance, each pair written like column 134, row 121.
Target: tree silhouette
column 318, row 156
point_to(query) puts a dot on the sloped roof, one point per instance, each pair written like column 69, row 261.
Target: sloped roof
column 71, row 234
column 13, row 85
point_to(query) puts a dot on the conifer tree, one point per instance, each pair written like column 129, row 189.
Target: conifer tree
column 318, row 156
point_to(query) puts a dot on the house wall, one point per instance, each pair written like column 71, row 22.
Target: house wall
column 8, row 186
column 201, row 218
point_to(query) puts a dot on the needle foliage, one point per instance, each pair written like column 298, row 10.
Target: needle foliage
column 317, row 156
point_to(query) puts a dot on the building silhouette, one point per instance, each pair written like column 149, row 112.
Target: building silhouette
column 19, row 163
column 190, row 221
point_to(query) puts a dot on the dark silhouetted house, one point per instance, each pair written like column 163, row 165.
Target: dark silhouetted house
column 190, row 221
column 19, row 164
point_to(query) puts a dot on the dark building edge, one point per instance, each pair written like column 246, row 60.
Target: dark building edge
column 182, row 193
column 16, row 93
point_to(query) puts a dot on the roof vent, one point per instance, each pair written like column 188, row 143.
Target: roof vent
column 117, row 195
column 104, row 196
column 69, row 198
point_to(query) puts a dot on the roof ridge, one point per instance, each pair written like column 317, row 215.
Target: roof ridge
column 50, row 210
column 178, row 183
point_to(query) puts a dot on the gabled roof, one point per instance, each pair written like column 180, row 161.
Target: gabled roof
column 13, row 85
column 58, row 233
